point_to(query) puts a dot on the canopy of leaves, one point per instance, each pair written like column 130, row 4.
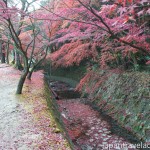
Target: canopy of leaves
column 119, row 30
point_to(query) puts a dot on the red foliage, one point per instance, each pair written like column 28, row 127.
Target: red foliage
column 104, row 32
column 103, row 27
column 85, row 126
column 74, row 53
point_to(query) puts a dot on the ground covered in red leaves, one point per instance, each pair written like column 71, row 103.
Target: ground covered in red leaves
column 27, row 124
column 25, row 120
column 87, row 129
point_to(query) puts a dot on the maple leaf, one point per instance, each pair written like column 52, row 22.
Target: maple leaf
column 126, row 19
column 119, row 1
column 140, row 13
column 122, row 10
column 148, row 62
column 148, row 11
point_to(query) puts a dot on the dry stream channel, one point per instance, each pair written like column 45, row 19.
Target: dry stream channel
column 88, row 128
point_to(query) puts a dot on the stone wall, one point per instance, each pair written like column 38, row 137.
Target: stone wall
column 126, row 98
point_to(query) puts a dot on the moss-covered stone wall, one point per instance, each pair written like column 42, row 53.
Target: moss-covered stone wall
column 126, row 97
column 53, row 107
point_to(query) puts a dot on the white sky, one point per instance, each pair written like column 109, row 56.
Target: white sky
column 34, row 5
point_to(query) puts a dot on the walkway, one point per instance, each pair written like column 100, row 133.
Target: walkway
column 25, row 122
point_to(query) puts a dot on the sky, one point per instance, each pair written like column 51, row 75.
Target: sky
column 35, row 5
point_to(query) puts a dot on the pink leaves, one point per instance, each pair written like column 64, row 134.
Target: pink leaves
column 140, row 13
column 94, row 29
column 122, row 10
column 148, row 62
column 86, row 127
column 108, row 9
column 74, row 52
column 7, row 12
column 148, row 11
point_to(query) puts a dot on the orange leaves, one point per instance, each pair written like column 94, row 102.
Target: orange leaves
column 112, row 8
column 126, row 19
column 115, row 19
column 85, row 80
column 54, row 28
column 108, row 9
column 25, row 38
column 74, row 53
column 130, row 1
column 65, row 24
column 105, row 58
column 119, row 1
column 25, row 35
column 65, row 4
column 124, row 2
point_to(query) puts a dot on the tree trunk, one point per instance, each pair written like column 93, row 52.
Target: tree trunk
column 30, row 72
column 36, row 65
column 18, row 64
column 3, row 53
column 23, row 76
column 29, row 75
column 7, row 53
column 13, row 55
column 3, row 58
column 21, row 82
column 0, row 50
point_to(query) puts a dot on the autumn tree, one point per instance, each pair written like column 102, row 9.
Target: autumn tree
column 106, row 33
column 5, row 44
column 114, row 27
column 24, row 9
column 25, row 37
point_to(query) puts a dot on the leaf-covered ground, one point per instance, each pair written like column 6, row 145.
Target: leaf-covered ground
column 88, row 130
column 25, row 121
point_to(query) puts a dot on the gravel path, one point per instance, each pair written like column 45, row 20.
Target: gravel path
column 25, row 122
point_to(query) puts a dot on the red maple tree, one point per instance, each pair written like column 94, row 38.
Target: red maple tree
column 108, row 33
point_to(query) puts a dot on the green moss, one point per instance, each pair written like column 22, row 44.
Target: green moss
column 129, row 91
column 74, row 72
column 55, row 114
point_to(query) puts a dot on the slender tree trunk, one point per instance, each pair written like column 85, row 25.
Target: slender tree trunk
column 21, row 82
column 7, row 53
column 18, row 64
column 3, row 58
column 13, row 55
column 34, row 67
column 30, row 74
column 0, row 50
column 23, row 76
column 2, row 53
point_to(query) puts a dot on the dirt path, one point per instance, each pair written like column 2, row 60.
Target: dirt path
column 25, row 122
